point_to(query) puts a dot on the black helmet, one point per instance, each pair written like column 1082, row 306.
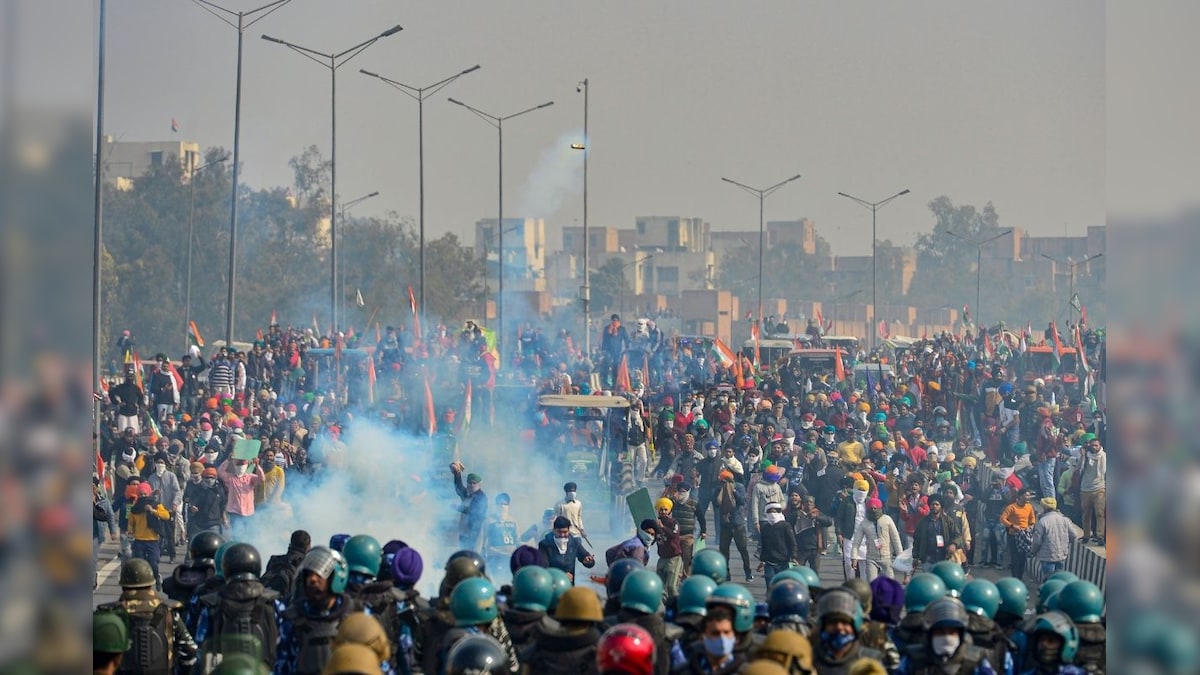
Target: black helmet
column 617, row 573
column 789, row 601
column 476, row 559
column 203, row 548
column 477, row 655
column 241, row 563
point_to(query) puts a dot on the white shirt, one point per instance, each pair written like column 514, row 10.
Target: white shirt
column 572, row 511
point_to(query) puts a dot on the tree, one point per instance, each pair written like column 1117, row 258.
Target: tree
column 608, row 284
column 788, row 272
column 944, row 261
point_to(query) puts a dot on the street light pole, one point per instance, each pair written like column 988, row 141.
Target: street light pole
column 98, row 231
column 587, row 273
column 498, row 122
column 333, row 61
column 419, row 94
column 346, row 206
column 1071, row 267
column 874, row 206
column 762, row 195
column 979, row 267
column 187, row 298
column 240, row 26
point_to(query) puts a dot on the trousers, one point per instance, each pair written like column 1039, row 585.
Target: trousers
column 150, row 551
column 668, row 570
column 735, row 533
column 1093, row 513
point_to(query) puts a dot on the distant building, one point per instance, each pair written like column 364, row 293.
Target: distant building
column 524, row 254
column 670, row 234
column 802, row 232
column 126, row 161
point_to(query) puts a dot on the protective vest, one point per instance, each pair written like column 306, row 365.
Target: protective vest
column 986, row 635
column 152, row 637
column 921, row 660
column 1092, row 643
column 314, row 635
column 387, row 603
column 242, row 621
column 910, row 631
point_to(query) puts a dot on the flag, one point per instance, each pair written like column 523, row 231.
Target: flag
column 174, row 126
column 988, row 350
column 623, row 373
column 358, row 298
column 1057, row 351
column 155, row 432
column 194, row 334
column 1075, row 303
column 378, row 335
column 258, row 334
column 1079, row 350
column 371, row 377
column 1022, row 346
column 464, row 422
column 316, row 326
column 137, row 371
column 412, row 304
column 757, row 333
column 883, row 329
column 820, row 319
column 925, row 334
column 430, row 416
column 175, row 376
column 839, row 368
column 724, row 353
column 1083, row 316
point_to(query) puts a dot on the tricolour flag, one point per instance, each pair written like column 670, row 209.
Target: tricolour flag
column 820, row 319
column 756, row 331
column 1058, row 347
column 724, row 353
column 174, row 126
column 464, row 422
column 412, row 304
column 194, row 334
column 274, row 318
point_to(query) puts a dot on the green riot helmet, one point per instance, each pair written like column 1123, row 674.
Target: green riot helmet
column 945, row 612
column 1082, row 601
column 618, row 571
column 328, row 564
column 951, row 574
column 532, row 589
column 1066, row 576
column 110, row 632
column 1047, row 589
column 840, row 603
column 561, row 583
column 363, row 555
column 981, row 597
column 473, row 602
column 693, row 594
column 811, row 579
column 862, row 589
column 1059, row 624
column 789, row 575
column 737, row 598
column 1014, row 596
column 136, row 573
column 642, row 591
column 219, row 557
column 710, row 563
column 923, row 588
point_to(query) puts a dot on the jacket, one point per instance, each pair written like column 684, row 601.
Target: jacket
column 139, row 524
column 1052, row 537
column 730, row 504
column 777, row 544
column 764, row 493
column 925, row 539
column 557, row 651
column 1094, row 467
column 564, row 561
column 883, row 529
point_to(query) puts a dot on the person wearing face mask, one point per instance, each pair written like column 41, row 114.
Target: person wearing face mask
column 204, row 501
column 571, row 508
column 881, row 538
column 562, row 549
column 726, row 638
column 166, row 485
column 947, row 647
column 240, row 482
column 828, row 440
column 938, row 536
column 836, row 645
column 777, row 543
column 850, row 513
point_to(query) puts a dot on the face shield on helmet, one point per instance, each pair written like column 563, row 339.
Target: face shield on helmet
column 327, row 564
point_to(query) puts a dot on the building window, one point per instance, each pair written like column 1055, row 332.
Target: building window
column 156, row 159
column 641, row 227
column 668, row 275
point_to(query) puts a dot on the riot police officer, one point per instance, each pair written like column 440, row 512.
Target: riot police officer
column 159, row 640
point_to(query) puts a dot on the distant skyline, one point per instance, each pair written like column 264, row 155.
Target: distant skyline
column 979, row 102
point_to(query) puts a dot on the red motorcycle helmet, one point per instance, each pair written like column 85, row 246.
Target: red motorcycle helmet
column 626, row 648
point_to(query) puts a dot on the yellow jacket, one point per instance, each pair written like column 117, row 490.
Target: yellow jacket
column 139, row 526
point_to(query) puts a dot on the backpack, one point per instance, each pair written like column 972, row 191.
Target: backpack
column 280, row 575
column 99, row 514
column 151, row 636
column 966, row 661
column 314, row 636
column 386, row 603
column 241, row 625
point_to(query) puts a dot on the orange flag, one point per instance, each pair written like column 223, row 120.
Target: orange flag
column 623, row 373
column 430, row 417
column 839, row 368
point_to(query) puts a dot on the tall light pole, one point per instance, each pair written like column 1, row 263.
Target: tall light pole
column 333, row 61
column 586, row 291
column 346, row 206
column 762, row 195
column 240, row 26
column 978, row 243
column 419, row 94
column 1071, row 267
column 187, row 297
column 98, row 231
column 874, row 206
column 498, row 122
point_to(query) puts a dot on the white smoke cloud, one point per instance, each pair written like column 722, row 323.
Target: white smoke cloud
column 556, row 177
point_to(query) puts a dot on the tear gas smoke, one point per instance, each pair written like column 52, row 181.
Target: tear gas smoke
column 557, row 176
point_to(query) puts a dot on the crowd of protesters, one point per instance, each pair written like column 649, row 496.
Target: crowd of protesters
column 957, row 457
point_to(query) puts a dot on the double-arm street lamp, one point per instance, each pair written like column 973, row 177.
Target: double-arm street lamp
column 241, row 24
column 978, row 243
column 1071, row 267
column 419, row 94
column 762, row 196
column 874, row 206
column 498, row 122
column 187, row 297
column 333, row 61
column 344, row 207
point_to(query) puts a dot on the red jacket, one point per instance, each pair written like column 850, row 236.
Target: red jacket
column 910, row 516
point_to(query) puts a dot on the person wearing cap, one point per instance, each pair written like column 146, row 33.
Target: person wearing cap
column 571, row 508
column 1053, row 536
column 473, row 510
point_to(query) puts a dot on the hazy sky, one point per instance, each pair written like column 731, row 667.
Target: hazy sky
column 978, row 101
